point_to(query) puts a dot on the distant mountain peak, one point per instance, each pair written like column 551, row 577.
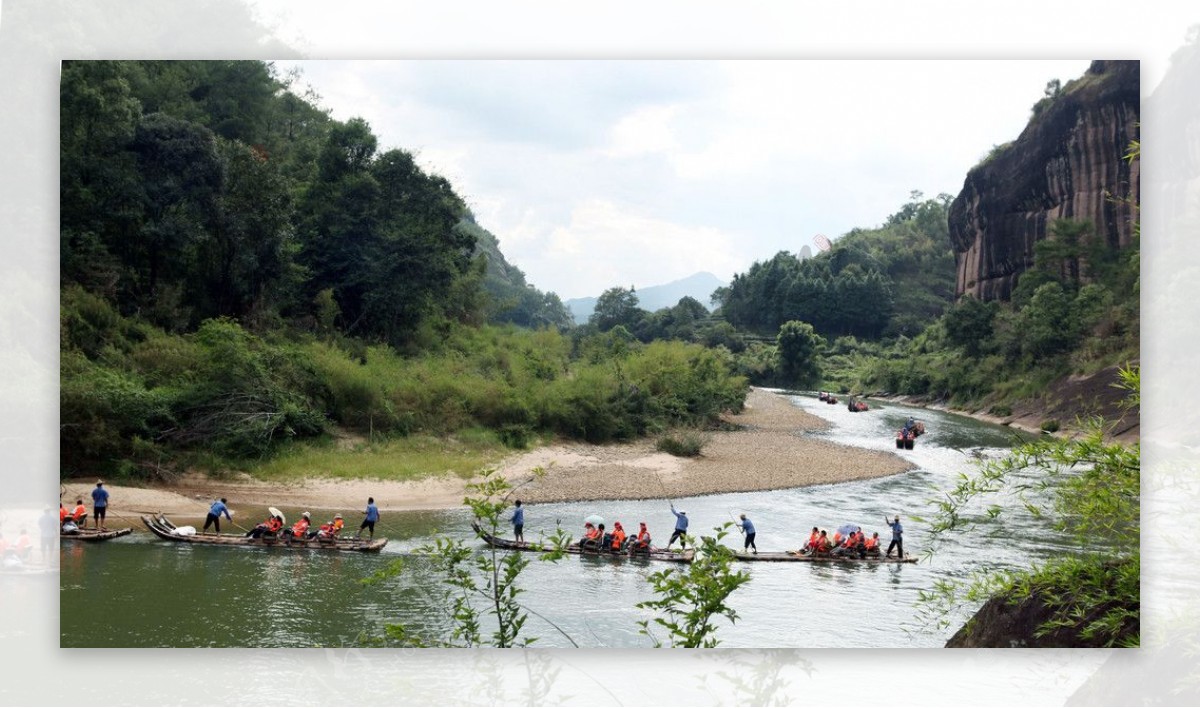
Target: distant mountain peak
column 699, row 286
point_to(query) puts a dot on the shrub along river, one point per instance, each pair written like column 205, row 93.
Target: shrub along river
column 139, row 591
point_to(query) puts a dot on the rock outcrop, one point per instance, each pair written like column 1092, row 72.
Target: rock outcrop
column 1067, row 163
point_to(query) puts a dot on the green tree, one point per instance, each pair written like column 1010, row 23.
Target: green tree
column 617, row 306
column 690, row 600
column 477, row 585
column 969, row 324
column 1088, row 488
column 798, row 347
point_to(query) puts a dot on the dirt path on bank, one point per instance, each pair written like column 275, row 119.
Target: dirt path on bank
column 770, row 451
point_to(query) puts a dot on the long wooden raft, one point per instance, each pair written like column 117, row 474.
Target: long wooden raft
column 160, row 526
column 658, row 554
column 792, row 556
column 94, row 535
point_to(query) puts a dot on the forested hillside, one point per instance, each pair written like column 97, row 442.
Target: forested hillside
column 240, row 270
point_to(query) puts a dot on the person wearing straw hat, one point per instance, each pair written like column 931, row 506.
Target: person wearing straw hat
column 214, row 515
column 100, row 504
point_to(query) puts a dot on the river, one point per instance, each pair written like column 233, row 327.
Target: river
column 139, row 591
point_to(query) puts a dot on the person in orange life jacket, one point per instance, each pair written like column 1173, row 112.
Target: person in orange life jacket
column 811, row 544
column 642, row 541
column 823, row 545
column 602, row 538
column 837, row 539
column 329, row 531
column 271, row 526
column 681, row 524
column 300, row 528
column 62, row 514
column 871, row 545
column 618, row 536
column 79, row 513
column 589, row 532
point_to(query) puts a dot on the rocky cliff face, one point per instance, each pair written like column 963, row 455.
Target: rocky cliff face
column 1067, row 163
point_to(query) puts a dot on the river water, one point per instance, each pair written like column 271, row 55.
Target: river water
column 139, row 591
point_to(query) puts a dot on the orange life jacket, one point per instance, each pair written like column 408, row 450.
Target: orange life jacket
column 337, row 525
column 837, row 538
column 79, row 513
column 618, row 539
column 822, row 544
column 300, row 527
column 274, row 524
column 812, row 539
column 62, row 514
column 592, row 534
column 872, row 543
column 643, row 537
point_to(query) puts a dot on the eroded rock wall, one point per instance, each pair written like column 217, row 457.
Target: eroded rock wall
column 1067, row 163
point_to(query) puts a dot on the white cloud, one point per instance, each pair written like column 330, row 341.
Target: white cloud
column 645, row 131
column 605, row 244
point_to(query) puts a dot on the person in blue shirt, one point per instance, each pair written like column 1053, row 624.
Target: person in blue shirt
column 897, row 537
column 99, row 504
column 681, row 524
column 518, row 522
column 372, row 515
column 214, row 515
column 748, row 529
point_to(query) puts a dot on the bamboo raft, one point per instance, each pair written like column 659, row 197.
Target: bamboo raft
column 793, row 556
column 658, row 554
column 160, row 526
column 94, row 535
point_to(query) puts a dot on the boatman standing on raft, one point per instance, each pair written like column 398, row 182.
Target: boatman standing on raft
column 748, row 529
column 214, row 515
column 100, row 504
column 518, row 522
column 897, row 537
column 681, row 523
column 371, row 516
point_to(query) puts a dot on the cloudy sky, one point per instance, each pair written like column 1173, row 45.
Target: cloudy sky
column 601, row 173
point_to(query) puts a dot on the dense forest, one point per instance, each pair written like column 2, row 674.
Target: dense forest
column 240, row 271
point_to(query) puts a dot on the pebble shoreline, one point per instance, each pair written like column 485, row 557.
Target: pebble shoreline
column 770, row 449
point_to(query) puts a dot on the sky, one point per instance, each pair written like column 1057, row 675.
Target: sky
column 594, row 174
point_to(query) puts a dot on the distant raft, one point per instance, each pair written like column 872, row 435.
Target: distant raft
column 656, row 554
column 94, row 535
column 160, row 526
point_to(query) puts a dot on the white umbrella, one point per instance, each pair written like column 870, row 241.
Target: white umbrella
column 594, row 520
column 276, row 512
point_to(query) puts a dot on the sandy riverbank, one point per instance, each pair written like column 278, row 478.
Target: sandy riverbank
column 770, row 451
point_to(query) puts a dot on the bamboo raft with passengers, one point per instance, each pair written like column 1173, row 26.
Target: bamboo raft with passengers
column 656, row 554
column 796, row 556
column 162, row 527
